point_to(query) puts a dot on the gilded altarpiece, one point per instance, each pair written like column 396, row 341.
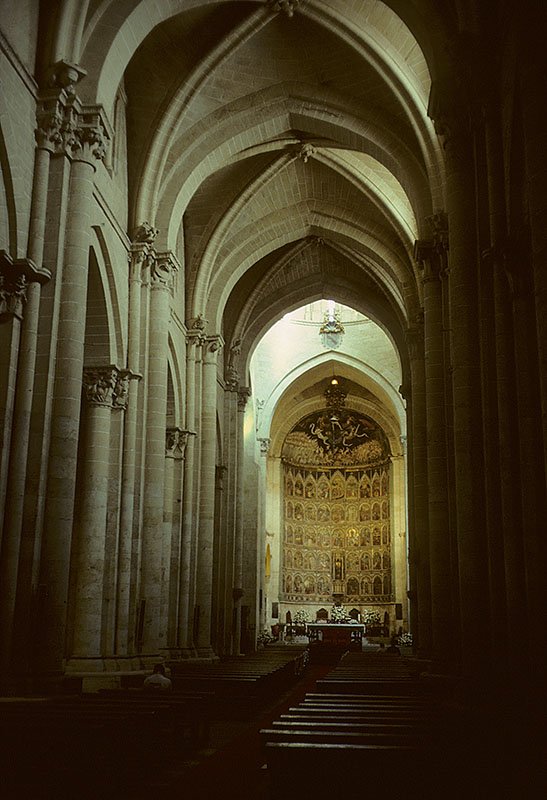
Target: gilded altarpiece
column 336, row 510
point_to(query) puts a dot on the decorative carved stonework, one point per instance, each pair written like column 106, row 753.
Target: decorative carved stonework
column 231, row 375
column 306, row 151
column 13, row 296
column 415, row 340
column 264, row 446
column 163, row 271
column 195, row 329
column 65, row 75
column 145, row 233
column 121, row 389
column 242, row 396
column 15, row 275
column 99, row 384
column 212, row 345
column 176, row 440
column 66, row 127
column 288, row 7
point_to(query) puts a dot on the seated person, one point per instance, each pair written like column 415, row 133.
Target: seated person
column 393, row 647
column 158, row 681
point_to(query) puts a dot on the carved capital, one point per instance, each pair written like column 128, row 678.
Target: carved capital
column 195, row 329
column 66, row 127
column 211, row 347
column 120, row 395
column 99, row 385
column 13, row 295
column 163, row 270
column 176, row 440
column 264, row 445
column 243, row 395
column 415, row 341
column 231, row 374
column 450, row 114
column 15, row 275
column 427, row 258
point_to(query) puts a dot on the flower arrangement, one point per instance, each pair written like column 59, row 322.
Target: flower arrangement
column 371, row 617
column 339, row 614
column 405, row 639
column 301, row 617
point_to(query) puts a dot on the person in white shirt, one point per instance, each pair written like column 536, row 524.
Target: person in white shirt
column 158, row 681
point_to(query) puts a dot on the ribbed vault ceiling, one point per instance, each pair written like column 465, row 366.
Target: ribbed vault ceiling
column 284, row 157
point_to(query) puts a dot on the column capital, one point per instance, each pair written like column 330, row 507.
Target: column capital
column 231, row 373
column 163, row 269
column 15, row 275
column 211, row 348
column 195, row 329
column 99, row 384
column 120, row 395
column 414, row 337
column 176, row 440
column 141, row 251
column 264, row 445
column 243, row 395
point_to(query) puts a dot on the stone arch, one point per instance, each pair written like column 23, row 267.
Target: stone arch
column 8, row 211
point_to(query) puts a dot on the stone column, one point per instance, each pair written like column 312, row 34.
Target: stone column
column 175, row 445
column 237, row 593
column 431, row 257
column 494, row 259
column 140, row 254
column 18, row 281
column 90, row 531
column 452, row 125
column 161, row 278
column 399, row 553
column 205, row 541
column 420, row 516
column 229, row 508
column 195, row 329
column 87, row 143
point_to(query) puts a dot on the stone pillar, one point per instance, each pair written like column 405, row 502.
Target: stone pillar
column 19, row 281
column 175, row 445
column 452, row 125
column 187, row 584
column 431, row 257
column 399, row 550
column 205, row 541
column 87, row 144
column 494, row 259
column 161, row 277
column 13, row 290
column 230, row 509
column 237, row 593
column 420, row 516
column 90, row 533
column 141, row 254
